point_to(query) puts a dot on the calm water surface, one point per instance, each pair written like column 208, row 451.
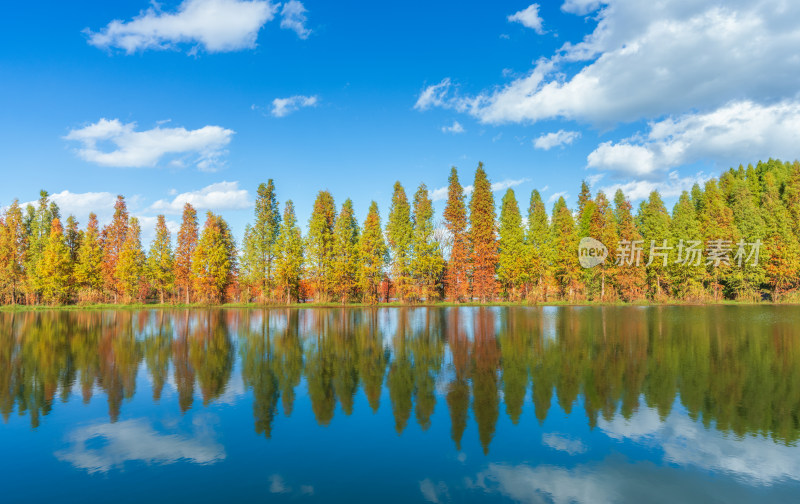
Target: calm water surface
column 628, row 404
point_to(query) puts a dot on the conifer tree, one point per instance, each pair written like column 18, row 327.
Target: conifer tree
column 131, row 263
column 187, row 242
column 686, row 268
column 565, row 260
column 113, row 238
column 38, row 221
column 373, row 254
column 781, row 251
column 264, row 235
column 512, row 253
column 72, row 237
column 630, row 277
column 455, row 220
column 214, row 260
column 249, row 277
column 344, row 270
column 399, row 234
column 160, row 261
column 427, row 264
column 540, row 250
column 56, row 267
column 791, row 197
column 13, row 245
column 745, row 279
column 89, row 267
column 603, row 227
column 653, row 222
column 289, row 259
column 717, row 226
column 319, row 245
column 483, row 237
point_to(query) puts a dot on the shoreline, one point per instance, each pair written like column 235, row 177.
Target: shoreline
column 441, row 304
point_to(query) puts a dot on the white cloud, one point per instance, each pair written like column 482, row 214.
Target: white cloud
column 554, row 197
column 136, row 440
column 281, row 107
column 738, row 131
column 564, row 443
column 455, row 128
column 440, row 194
column 145, row 148
column 580, row 7
column 81, row 204
column 648, row 59
column 559, row 138
column 529, row 18
column 293, row 17
column 670, row 187
column 216, row 25
column 215, row 197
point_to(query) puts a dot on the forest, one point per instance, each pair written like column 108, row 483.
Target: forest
column 478, row 251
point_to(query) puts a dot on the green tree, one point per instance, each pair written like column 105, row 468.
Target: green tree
column 565, row 240
column 540, row 249
column 265, row 235
column 214, row 259
column 373, row 254
column 344, row 269
column 630, row 278
column 131, row 265
column 399, row 234
column 513, row 256
column 653, row 223
column 289, row 260
column 113, row 239
column 160, row 261
column 686, row 270
column 184, row 252
column 427, row 263
column 89, row 267
column 483, row 237
column 603, row 227
column 56, row 267
column 781, row 251
column 319, row 245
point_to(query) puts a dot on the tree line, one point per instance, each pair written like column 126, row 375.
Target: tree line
column 471, row 254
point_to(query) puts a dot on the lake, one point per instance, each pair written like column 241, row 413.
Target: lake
column 494, row 404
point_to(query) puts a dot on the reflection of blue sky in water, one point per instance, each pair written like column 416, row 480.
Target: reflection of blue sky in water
column 106, row 446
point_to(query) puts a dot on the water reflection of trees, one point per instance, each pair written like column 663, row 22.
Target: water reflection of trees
column 736, row 369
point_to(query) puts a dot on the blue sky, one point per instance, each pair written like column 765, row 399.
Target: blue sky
column 201, row 100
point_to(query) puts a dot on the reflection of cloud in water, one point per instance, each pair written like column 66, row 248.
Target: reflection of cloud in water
column 102, row 447
column 612, row 480
column 434, row 492
column 685, row 442
column 563, row 443
column 278, row 485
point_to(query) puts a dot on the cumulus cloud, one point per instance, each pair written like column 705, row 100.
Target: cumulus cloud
column 281, row 107
column 529, row 18
column 216, row 25
column 135, row 149
column 81, row 205
column 293, row 17
column 219, row 196
column 738, row 131
column 580, row 7
column 670, row 187
column 137, row 440
column 648, row 59
column 455, row 128
column 556, row 139
column 440, row 194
